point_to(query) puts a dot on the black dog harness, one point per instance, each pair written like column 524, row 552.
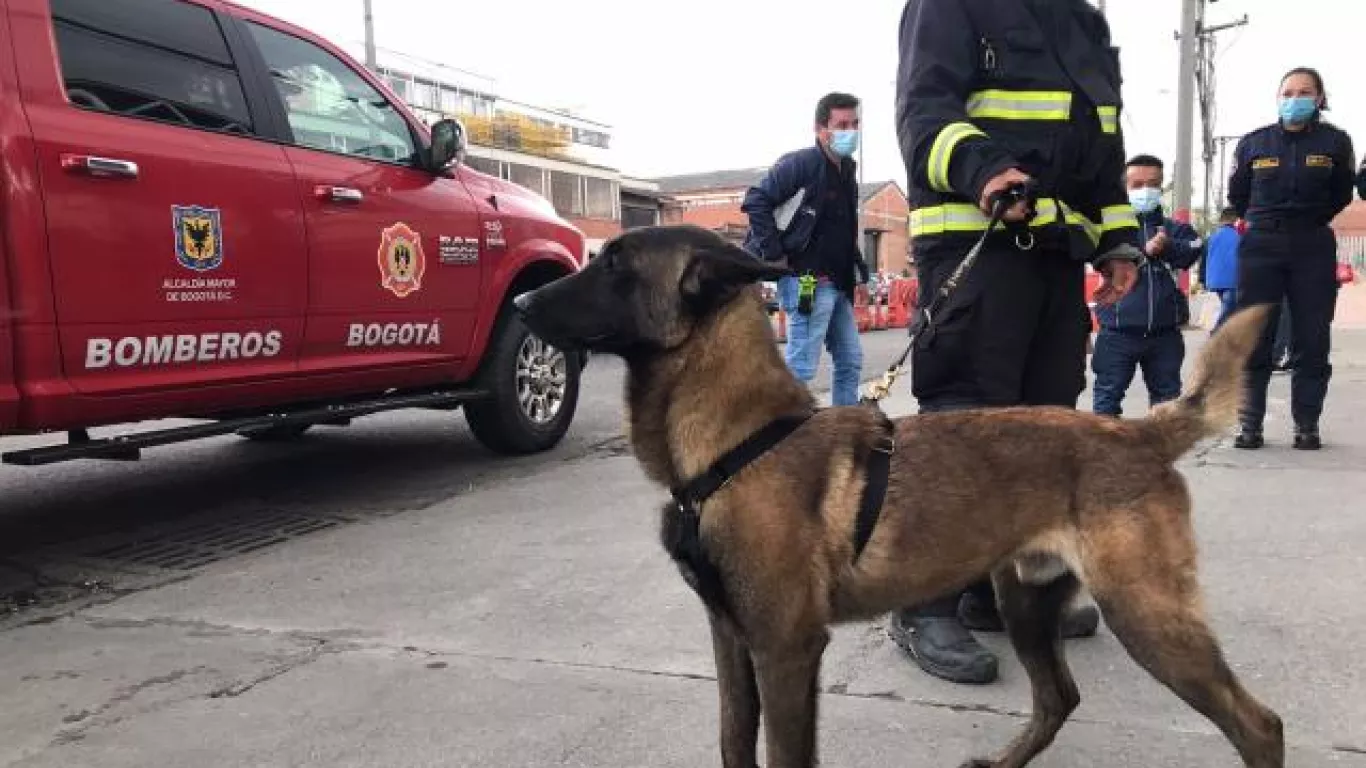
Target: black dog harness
column 685, row 540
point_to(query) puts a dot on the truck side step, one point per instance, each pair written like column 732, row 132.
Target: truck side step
column 129, row 447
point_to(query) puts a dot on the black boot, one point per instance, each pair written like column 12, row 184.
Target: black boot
column 1249, row 438
column 1307, row 438
column 943, row 647
column 980, row 616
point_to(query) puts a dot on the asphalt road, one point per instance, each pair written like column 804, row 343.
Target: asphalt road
column 389, row 594
column 378, row 466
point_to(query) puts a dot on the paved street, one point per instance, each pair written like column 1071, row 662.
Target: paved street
column 390, row 595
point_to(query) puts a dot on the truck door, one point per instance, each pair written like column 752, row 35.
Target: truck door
column 176, row 235
column 394, row 249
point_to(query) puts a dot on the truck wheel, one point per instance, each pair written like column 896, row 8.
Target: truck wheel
column 276, row 434
column 534, row 391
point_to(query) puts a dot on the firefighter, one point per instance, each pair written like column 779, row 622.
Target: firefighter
column 1290, row 179
column 990, row 94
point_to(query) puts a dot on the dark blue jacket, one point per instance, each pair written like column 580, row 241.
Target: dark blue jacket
column 1156, row 303
column 1221, row 259
column 809, row 171
column 1301, row 177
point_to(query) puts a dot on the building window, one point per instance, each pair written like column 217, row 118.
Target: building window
column 450, row 100
column 528, row 176
column 633, row 217
column 423, row 95
column 485, row 165
column 566, row 193
column 872, row 240
column 600, row 200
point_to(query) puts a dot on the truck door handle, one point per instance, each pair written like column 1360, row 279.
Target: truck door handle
column 338, row 194
column 100, row 166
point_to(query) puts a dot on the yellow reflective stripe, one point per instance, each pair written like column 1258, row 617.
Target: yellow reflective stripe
column 965, row 217
column 1020, row 105
column 1109, row 119
column 1117, row 217
column 1084, row 224
column 941, row 153
column 950, row 217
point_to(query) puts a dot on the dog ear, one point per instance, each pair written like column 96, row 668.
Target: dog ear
column 718, row 271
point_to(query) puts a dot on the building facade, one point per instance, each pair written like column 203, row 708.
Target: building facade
column 561, row 156
column 712, row 200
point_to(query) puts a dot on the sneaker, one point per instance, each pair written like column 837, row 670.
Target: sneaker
column 977, row 615
column 1249, row 439
column 943, row 647
column 1307, row 439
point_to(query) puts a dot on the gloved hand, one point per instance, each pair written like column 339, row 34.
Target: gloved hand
column 1119, row 268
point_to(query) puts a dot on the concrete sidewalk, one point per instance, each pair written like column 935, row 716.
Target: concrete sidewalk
column 540, row 624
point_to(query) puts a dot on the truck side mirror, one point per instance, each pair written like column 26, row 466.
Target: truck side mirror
column 448, row 145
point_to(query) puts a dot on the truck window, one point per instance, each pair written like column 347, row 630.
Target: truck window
column 329, row 106
column 153, row 59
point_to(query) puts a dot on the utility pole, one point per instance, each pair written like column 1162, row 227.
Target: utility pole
column 369, row 36
column 1196, row 69
column 1191, row 11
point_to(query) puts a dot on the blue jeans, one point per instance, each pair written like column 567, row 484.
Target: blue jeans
column 831, row 323
column 1118, row 354
column 1228, row 300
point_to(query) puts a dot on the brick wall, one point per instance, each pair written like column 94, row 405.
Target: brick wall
column 886, row 212
column 597, row 229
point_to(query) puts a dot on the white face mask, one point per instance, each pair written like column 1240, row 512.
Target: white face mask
column 1146, row 199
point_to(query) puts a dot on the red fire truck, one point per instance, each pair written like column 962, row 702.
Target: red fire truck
column 207, row 213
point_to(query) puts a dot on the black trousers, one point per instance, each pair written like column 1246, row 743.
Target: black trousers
column 1013, row 333
column 1299, row 267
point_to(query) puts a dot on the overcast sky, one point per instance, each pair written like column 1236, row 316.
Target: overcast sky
column 714, row 84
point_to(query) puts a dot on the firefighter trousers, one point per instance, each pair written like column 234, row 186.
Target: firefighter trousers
column 1013, row 333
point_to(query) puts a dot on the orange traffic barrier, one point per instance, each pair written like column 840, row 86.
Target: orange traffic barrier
column 779, row 321
column 901, row 302
column 863, row 315
column 880, row 317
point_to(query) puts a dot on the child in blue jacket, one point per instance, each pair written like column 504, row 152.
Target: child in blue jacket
column 1143, row 330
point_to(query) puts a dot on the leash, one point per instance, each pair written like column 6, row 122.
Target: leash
column 1002, row 201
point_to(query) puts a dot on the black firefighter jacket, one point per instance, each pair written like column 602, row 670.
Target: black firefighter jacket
column 984, row 85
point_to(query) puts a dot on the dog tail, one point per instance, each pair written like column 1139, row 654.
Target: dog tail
column 1212, row 398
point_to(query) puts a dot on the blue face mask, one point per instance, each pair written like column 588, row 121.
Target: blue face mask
column 1146, row 199
column 1298, row 110
column 843, row 143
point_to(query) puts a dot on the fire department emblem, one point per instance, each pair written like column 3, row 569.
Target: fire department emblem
column 401, row 261
column 198, row 237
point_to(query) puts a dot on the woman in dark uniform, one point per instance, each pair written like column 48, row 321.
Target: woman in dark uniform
column 1290, row 179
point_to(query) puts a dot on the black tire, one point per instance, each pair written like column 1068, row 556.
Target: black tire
column 276, row 434
column 501, row 422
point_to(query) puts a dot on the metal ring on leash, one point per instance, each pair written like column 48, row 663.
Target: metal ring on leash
column 1025, row 242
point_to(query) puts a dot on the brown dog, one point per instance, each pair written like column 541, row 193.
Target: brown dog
column 970, row 493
